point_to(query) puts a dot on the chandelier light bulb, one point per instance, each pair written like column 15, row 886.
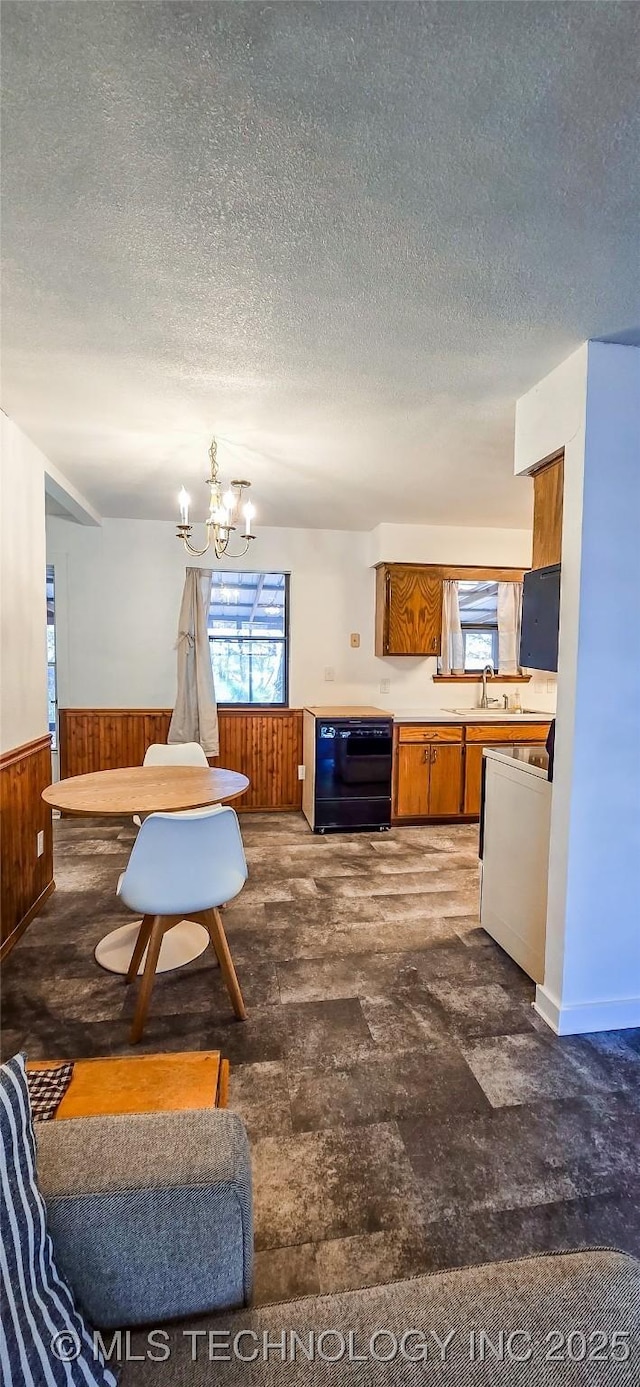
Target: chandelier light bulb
column 249, row 512
column 229, row 501
column 183, row 502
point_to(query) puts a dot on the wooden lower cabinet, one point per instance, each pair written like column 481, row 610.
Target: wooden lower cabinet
column 472, row 779
column 412, row 784
column 428, row 781
column 438, row 775
column 445, row 781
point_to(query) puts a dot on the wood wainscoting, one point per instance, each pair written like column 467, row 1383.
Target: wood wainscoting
column 27, row 879
column 263, row 743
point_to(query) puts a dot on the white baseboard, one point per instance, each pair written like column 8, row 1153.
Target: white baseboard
column 618, row 1014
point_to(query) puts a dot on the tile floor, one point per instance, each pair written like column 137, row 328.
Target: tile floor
column 407, row 1109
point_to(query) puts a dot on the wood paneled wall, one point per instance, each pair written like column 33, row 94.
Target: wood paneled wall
column 263, row 743
column 26, row 879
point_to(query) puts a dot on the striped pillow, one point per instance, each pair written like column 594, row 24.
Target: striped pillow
column 44, row 1342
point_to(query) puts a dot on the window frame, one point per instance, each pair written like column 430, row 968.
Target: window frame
column 283, row 703
column 481, row 627
column 477, row 573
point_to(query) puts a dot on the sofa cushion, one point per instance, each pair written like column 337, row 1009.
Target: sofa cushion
column 565, row 1320
column 46, row 1341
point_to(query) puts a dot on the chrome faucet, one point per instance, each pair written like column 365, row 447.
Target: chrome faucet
column 485, row 701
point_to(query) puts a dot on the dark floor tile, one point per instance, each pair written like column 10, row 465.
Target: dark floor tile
column 395, row 972
column 442, row 881
column 526, row 1068
column 324, row 911
column 199, row 987
column 11, row 1043
column 319, row 979
column 471, row 933
column 429, row 905
column 522, row 1156
column 258, row 1038
column 285, row 1273
column 259, row 1094
column 318, row 1185
column 606, row 1062
column 611, row 1220
column 373, row 1259
column 384, row 1088
column 323, row 1035
column 403, row 1025
column 486, row 1009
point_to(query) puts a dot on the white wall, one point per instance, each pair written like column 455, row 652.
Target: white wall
column 450, row 544
column 591, row 406
column 23, row 610
column 118, row 592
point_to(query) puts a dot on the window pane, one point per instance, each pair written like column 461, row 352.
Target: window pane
column 479, row 649
column 249, row 671
column 247, row 634
column 247, row 604
column 478, row 603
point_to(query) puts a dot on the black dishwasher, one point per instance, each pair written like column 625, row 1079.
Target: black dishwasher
column 353, row 774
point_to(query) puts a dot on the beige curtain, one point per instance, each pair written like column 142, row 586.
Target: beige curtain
column 509, row 625
column 195, row 716
column 452, row 658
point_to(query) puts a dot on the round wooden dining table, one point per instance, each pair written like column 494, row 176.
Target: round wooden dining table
column 147, row 790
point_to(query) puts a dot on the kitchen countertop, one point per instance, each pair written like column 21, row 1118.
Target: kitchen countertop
column 533, row 760
column 347, row 711
column 474, row 715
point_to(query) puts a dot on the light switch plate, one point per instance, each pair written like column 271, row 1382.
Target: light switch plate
column 385, row 685
column 329, row 674
column 302, row 773
column 40, row 843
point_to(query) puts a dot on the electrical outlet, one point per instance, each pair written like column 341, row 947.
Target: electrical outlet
column 302, row 772
column 385, row 685
column 354, row 639
column 40, row 843
column 329, row 674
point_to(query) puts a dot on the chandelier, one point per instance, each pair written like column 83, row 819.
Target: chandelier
column 225, row 511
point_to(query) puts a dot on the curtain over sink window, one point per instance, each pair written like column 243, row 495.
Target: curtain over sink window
column 481, row 622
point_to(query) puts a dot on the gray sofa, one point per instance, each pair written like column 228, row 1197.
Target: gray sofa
column 151, row 1221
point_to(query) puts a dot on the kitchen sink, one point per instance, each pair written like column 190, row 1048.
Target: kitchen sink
column 500, row 713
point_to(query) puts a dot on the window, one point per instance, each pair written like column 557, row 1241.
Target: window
column 479, row 621
column 249, row 637
column 51, row 659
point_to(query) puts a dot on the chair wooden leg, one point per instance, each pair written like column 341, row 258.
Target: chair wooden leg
column 158, row 928
column 211, row 918
column 139, row 947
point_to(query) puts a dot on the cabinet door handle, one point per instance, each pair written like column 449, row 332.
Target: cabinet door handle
column 434, row 756
column 427, row 754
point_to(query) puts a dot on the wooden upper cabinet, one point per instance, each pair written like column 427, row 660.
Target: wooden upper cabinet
column 408, row 610
column 548, row 484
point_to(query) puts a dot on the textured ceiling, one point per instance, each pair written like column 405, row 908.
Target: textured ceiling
column 344, row 236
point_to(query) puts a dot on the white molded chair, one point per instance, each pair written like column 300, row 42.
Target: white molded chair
column 176, row 754
column 183, row 865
